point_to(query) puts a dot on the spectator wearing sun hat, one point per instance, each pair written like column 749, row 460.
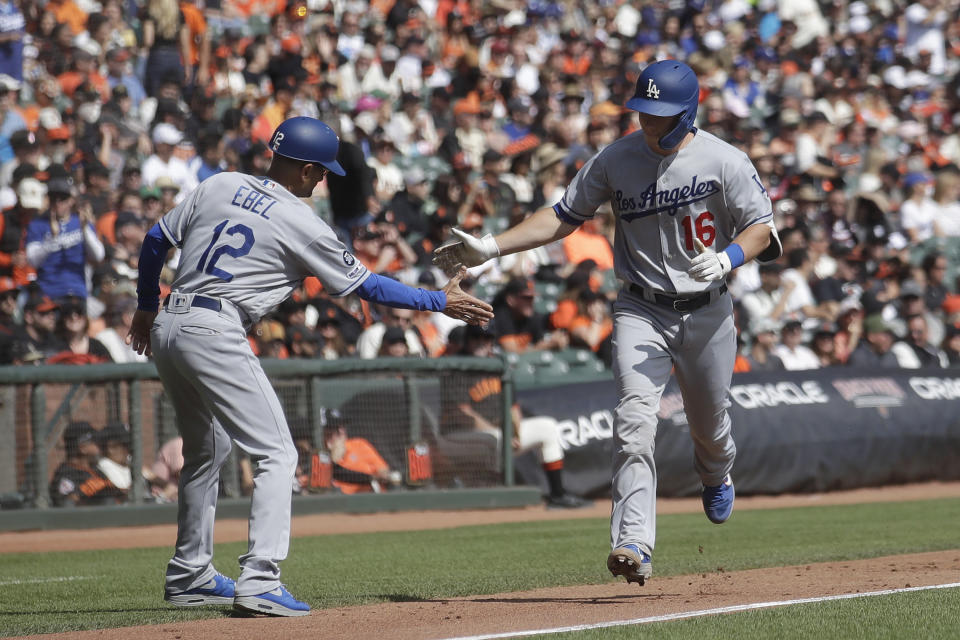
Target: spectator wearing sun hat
column 163, row 162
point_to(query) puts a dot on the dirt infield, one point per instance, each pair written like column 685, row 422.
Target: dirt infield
column 563, row 606
column 539, row 609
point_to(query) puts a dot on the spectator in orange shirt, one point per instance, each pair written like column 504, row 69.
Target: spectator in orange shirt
column 84, row 74
column 67, row 11
column 578, row 57
column 568, row 306
column 276, row 110
column 588, row 242
column 594, row 325
column 197, row 64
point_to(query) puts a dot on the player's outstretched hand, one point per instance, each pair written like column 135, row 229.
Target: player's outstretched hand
column 466, row 252
column 139, row 336
column 708, row 265
column 463, row 306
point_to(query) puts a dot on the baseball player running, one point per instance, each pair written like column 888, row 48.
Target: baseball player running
column 689, row 209
column 246, row 242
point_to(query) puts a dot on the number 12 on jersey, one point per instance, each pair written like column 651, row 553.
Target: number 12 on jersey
column 702, row 227
column 234, row 252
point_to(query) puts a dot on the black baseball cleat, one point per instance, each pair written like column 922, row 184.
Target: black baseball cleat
column 631, row 563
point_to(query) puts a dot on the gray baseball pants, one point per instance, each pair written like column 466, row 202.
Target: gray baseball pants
column 649, row 341
column 221, row 394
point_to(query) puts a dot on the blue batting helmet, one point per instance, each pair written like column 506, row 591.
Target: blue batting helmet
column 308, row 140
column 668, row 88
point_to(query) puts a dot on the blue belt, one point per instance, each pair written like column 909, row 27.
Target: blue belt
column 201, row 301
column 683, row 305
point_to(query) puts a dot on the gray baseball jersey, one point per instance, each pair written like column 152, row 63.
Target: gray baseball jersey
column 247, row 241
column 709, row 190
column 252, row 242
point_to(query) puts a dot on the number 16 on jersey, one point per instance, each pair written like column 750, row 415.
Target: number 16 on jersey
column 701, row 228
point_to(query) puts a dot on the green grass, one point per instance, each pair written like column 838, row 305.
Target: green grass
column 930, row 615
column 124, row 587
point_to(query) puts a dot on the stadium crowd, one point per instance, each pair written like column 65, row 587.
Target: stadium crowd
column 474, row 113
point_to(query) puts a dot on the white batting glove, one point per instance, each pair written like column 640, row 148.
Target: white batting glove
column 468, row 252
column 708, row 265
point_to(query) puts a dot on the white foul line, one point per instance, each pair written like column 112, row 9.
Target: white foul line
column 41, row 580
column 703, row 612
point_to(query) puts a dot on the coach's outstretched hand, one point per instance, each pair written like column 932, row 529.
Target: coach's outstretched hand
column 463, row 306
column 708, row 265
column 467, row 252
column 139, row 336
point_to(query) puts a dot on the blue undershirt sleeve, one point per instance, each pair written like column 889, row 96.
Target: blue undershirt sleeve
column 152, row 255
column 396, row 294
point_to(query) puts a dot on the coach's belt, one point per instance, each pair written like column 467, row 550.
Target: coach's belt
column 682, row 305
column 185, row 300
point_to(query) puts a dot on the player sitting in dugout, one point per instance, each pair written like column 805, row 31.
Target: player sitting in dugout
column 77, row 482
column 348, row 465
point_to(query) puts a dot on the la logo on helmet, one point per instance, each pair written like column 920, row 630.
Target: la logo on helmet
column 652, row 91
column 275, row 143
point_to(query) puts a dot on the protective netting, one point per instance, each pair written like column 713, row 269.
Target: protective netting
column 366, row 431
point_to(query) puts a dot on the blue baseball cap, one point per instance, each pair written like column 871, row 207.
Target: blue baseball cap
column 915, row 178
